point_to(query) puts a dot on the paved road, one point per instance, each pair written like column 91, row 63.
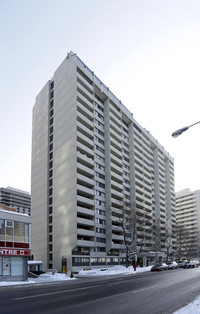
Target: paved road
column 145, row 293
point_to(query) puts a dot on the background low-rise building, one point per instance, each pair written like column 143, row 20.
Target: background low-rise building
column 15, row 247
column 17, row 199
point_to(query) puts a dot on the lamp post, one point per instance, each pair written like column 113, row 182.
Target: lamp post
column 180, row 131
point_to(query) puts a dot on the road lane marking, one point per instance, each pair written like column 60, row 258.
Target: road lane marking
column 143, row 289
column 84, row 288
column 51, row 293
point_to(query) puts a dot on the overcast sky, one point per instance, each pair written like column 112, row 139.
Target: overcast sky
column 146, row 51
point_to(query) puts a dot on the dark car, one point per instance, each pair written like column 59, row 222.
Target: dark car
column 159, row 267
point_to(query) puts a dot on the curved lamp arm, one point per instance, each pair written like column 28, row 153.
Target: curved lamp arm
column 180, row 131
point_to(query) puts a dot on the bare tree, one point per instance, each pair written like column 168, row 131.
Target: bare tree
column 128, row 225
column 182, row 235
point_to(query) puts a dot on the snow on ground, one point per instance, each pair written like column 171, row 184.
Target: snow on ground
column 192, row 308
column 112, row 271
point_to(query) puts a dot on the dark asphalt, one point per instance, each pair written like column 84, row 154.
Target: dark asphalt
column 142, row 293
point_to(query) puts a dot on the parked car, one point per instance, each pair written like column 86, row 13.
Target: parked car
column 181, row 264
column 172, row 265
column 191, row 264
column 159, row 267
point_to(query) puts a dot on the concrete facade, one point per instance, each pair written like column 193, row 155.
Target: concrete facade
column 90, row 157
column 188, row 223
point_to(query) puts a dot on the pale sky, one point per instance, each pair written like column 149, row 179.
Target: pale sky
column 146, row 51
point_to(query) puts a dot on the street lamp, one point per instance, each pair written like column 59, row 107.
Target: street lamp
column 180, row 131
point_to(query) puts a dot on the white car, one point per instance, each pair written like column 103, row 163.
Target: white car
column 172, row 265
column 191, row 264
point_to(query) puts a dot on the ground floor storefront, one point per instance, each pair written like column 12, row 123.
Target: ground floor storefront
column 13, row 264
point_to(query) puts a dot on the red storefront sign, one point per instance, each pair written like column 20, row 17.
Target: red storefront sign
column 14, row 252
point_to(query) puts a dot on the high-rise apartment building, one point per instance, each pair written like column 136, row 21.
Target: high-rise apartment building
column 188, row 223
column 90, row 158
column 18, row 199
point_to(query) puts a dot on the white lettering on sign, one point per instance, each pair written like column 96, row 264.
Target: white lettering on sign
column 15, row 252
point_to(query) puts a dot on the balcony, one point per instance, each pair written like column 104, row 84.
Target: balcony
column 84, row 180
column 118, row 246
column 84, row 140
column 85, row 130
column 117, row 186
column 88, row 113
column 116, row 169
column 84, row 243
column 85, row 170
column 81, row 200
column 85, row 211
column 84, row 120
column 115, row 135
column 116, row 177
column 117, row 237
column 85, row 82
column 115, row 127
column 115, row 152
column 85, row 191
column 85, row 222
column 85, row 150
column 116, row 161
column 81, row 89
column 84, row 232
column 86, row 103
column 117, row 194
column 115, row 112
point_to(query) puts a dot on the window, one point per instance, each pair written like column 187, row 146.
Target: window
column 99, row 193
column 99, row 175
column 125, row 144
column 98, row 106
column 102, row 240
column 126, row 159
column 126, row 181
column 2, row 229
column 99, row 184
column 100, row 203
column 100, row 221
column 98, row 115
column 84, row 261
column 99, row 124
column 100, row 212
column 99, row 157
column 9, row 230
column 125, row 123
column 125, row 166
column 9, row 223
column 98, row 140
column 125, row 151
column 98, row 98
column 98, row 131
column 17, row 266
column 99, row 148
column 97, row 165
column 125, row 130
column 100, row 230
column 126, row 174
column 19, row 232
